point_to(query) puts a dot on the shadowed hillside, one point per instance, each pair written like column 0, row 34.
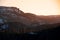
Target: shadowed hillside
column 14, row 20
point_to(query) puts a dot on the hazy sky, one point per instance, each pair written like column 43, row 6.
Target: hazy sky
column 39, row 7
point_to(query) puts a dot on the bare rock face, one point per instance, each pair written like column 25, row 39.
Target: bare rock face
column 9, row 17
column 14, row 20
column 13, row 14
column 10, row 13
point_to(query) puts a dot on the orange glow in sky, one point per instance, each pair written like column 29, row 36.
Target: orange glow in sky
column 38, row 7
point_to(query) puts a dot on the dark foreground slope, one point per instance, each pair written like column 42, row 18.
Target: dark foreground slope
column 51, row 34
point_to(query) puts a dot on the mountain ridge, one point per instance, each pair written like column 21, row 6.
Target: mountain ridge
column 27, row 22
